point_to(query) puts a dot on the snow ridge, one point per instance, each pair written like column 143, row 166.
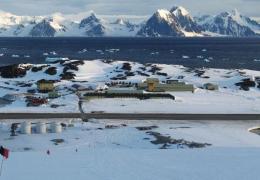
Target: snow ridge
column 174, row 22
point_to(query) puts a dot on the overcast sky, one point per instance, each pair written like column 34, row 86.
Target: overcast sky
column 125, row 7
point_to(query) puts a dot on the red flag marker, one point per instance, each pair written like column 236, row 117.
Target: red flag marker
column 4, row 152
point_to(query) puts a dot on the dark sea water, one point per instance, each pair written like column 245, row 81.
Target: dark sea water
column 191, row 52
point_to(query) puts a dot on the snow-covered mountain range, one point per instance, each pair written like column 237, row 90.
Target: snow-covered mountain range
column 230, row 23
column 176, row 22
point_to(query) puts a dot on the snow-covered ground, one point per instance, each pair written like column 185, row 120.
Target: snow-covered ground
column 91, row 151
column 96, row 74
column 199, row 102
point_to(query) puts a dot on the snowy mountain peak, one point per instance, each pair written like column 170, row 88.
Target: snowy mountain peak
column 90, row 20
column 164, row 14
column 230, row 24
column 176, row 22
column 235, row 12
column 93, row 16
column 43, row 29
column 93, row 26
column 179, row 11
column 188, row 25
column 120, row 21
column 162, row 23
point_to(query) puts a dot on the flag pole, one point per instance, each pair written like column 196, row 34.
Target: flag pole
column 1, row 166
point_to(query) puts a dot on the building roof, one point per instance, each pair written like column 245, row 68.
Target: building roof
column 152, row 80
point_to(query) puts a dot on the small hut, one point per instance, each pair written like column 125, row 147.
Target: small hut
column 45, row 86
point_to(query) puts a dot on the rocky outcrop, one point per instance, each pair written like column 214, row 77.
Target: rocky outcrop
column 230, row 24
column 14, row 71
column 43, row 29
column 161, row 24
column 92, row 25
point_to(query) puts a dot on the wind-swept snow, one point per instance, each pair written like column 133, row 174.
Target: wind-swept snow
column 91, row 151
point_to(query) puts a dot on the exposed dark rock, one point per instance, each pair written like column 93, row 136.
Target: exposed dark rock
column 58, row 141
column 205, row 77
column 146, row 128
column 127, row 66
column 154, row 69
column 27, row 149
column 38, row 68
column 72, row 65
column 67, row 76
column 142, row 74
column 142, row 68
column 56, row 105
column 111, row 126
column 167, row 141
column 182, row 127
column 13, row 71
column 119, row 77
column 162, row 74
column 128, row 73
column 246, row 84
column 32, row 91
column 23, row 84
column 51, row 71
column 199, row 73
column 43, row 29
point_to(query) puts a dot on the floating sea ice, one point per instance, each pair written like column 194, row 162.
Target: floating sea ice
column 204, row 50
column 15, row 56
column 48, row 59
column 45, row 54
column 257, row 60
column 171, row 51
column 200, row 57
column 207, row 60
column 53, row 53
column 112, row 50
column 83, row 51
column 2, row 55
column 99, row 51
column 154, row 53
column 210, row 58
column 109, row 50
column 185, row 57
column 27, row 56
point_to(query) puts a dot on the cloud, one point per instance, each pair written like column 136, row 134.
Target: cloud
column 132, row 7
